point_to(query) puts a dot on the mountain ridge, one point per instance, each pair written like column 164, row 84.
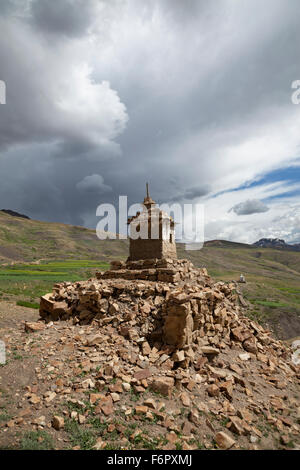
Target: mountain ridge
column 14, row 213
column 277, row 243
column 26, row 239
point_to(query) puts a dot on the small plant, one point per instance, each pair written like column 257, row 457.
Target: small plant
column 23, row 303
column 37, row 440
column 15, row 355
column 290, row 445
column 98, row 425
column 85, row 438
column 134, row 396
column 5, row 416
column 74, row 406
column 224, row 422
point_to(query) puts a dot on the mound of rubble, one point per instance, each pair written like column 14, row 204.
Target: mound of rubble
column 163, row 326
column 166, row 303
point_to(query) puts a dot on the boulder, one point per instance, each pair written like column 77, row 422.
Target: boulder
column 163, row 385
column 224, row 441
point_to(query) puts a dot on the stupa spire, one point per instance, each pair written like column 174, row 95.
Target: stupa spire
column 148, row 201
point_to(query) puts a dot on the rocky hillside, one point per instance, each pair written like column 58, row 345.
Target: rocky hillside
column 276, row 243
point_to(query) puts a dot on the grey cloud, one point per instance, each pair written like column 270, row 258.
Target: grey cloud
column 192, row 193
column 195, row 78
column 6, row 7
column 93, row 183
column 251, row 206
column 45, row 188
column 14, row 7
column 64, row 17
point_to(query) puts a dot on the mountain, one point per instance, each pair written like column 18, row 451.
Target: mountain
column 23, row 239
column 277, row 243
column 14, row 214
column 225, row 244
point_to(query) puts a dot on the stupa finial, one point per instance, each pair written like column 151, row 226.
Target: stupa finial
column 148, row 202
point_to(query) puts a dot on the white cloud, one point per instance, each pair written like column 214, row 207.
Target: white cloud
column 280, row 221
column 57, row 99
column 93, row 183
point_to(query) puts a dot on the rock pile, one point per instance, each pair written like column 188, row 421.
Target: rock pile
column 162, row 270
column 164, row 303
column 150, row 364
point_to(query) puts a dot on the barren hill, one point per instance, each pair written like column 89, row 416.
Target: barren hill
column 30, row 240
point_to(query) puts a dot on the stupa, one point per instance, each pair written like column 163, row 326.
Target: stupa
column 152, row 233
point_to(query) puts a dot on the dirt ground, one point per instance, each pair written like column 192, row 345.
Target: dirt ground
column 53, row 372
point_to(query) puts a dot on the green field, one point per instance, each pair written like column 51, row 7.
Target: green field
column 27, row 282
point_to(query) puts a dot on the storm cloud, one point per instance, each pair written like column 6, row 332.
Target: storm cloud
column 93, row 183
column 251, row 206
column 66, row 17
column 194, row 97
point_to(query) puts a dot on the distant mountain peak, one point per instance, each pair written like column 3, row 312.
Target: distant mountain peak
column 276, row 243
column 14, row 214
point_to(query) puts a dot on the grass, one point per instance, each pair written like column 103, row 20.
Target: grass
column 37, row 440
column 23, row 303
column 26, row 283
column 5, row 416
column 33, row 240
column 74, row 406
column 98, row 425
column 85, row 436
column 271, row 304
column 79, row 436
column 290, row 445
column 134, row 396
column 14, row 355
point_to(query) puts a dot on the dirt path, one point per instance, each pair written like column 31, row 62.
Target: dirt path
column 13, row 316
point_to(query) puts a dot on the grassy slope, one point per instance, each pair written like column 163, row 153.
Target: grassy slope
column 273, row 280
column 27, row 282
column 30, row 240
column 273, row 276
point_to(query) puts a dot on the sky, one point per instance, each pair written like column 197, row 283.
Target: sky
column 192, row 96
